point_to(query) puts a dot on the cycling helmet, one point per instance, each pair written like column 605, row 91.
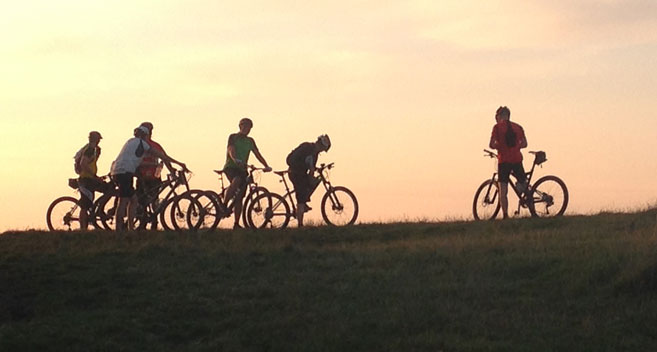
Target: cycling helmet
column 324, row 141
column 147, row 125
column 246, row 121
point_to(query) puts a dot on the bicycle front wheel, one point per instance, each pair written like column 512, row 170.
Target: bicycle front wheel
column 255, row 192
column 550, row 197
column 105, row 211
column 268, row 210
column 63, row 214
column 181, row 205
column 339, row 206
column 486, row 203
column 207, row 216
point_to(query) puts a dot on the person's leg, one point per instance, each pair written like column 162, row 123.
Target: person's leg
column 504, row 201
column 121, row 212
column 132, row 211
column 301, row 209
column 504, row 170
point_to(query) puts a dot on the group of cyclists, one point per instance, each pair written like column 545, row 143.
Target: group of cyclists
column 142, row 158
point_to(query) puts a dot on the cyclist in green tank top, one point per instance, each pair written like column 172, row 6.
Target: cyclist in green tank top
column 240, row 146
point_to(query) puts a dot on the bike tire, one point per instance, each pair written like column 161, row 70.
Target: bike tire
column 486, row 206
column 207, row 217
column 269, row 210
column 547, row 192
column 342, row 210
column 63, row 214
column 247, row 201
column 182, row 204
column 105, row 211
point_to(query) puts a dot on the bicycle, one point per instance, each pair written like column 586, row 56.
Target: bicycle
column 64, row 212
column 339, row 206
column 547, row 197
column 170, row 209
column 211, row 214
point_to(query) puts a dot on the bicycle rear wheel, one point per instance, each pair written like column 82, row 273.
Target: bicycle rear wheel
column 269, row 210
column 550, row 197
column 486, row 203
column 63, row 214
column 339, row 206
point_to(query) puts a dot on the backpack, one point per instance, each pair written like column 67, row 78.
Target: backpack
column 510, row 136
column 77, row 159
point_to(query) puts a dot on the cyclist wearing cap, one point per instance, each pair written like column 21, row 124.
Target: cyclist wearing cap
column 89, row 183
column 301, row 162
column 508, row 138
column 240, row 146
column 123, row 171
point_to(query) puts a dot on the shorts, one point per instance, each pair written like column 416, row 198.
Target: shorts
column 124, row 182
column 87, row 187
column 302, row 187
column 234, row 174
column 504, row 170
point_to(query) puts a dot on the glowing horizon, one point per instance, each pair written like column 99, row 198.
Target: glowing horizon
column 406, row 90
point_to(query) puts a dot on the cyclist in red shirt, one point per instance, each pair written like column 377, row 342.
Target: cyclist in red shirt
column 508, row 138
column 148, row 172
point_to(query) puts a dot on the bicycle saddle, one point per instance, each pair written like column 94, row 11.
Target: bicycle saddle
column 219, row 172
column 280, row 173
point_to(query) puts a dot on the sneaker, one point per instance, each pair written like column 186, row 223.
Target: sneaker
column 307, row 208
column 236, row 226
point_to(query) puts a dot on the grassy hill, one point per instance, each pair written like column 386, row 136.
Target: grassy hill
column 573, row 283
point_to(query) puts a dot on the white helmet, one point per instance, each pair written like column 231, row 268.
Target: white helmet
column 324, row 141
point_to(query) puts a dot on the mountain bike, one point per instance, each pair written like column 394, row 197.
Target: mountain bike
column 339, row 206
column 63, row 214
column 547, row 197
column 211, row 213
column 170, row 208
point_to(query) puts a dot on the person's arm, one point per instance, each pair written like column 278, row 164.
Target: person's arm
column 493, row 140
column 167, row 159
column 523, row 139
column 260, row 158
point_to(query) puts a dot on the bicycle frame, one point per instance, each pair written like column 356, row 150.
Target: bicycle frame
column 323, row 180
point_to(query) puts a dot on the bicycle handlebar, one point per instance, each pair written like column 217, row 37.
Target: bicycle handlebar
column 490, row 154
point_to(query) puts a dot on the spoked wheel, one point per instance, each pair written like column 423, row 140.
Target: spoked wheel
column 255, row 192
column 105, row 211
column 550, row 197
column 63, row 214
column 268, row 210
column 486, row 203
column 208, row 214
column 181, row 205
column 339, row 206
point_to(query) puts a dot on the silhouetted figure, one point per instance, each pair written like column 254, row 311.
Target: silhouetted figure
column 149, row 171
column 124, row 168
column 88, row 183
column 302, row 161
column 508, row 138
column 240, row 146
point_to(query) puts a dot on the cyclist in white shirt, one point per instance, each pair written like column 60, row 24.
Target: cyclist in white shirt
column 123, row 172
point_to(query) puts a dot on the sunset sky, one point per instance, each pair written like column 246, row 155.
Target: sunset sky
column 407, row 90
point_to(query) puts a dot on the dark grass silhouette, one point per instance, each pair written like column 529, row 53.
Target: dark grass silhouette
column 571, row 283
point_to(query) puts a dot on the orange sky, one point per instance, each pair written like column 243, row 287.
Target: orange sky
column 406, row 90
